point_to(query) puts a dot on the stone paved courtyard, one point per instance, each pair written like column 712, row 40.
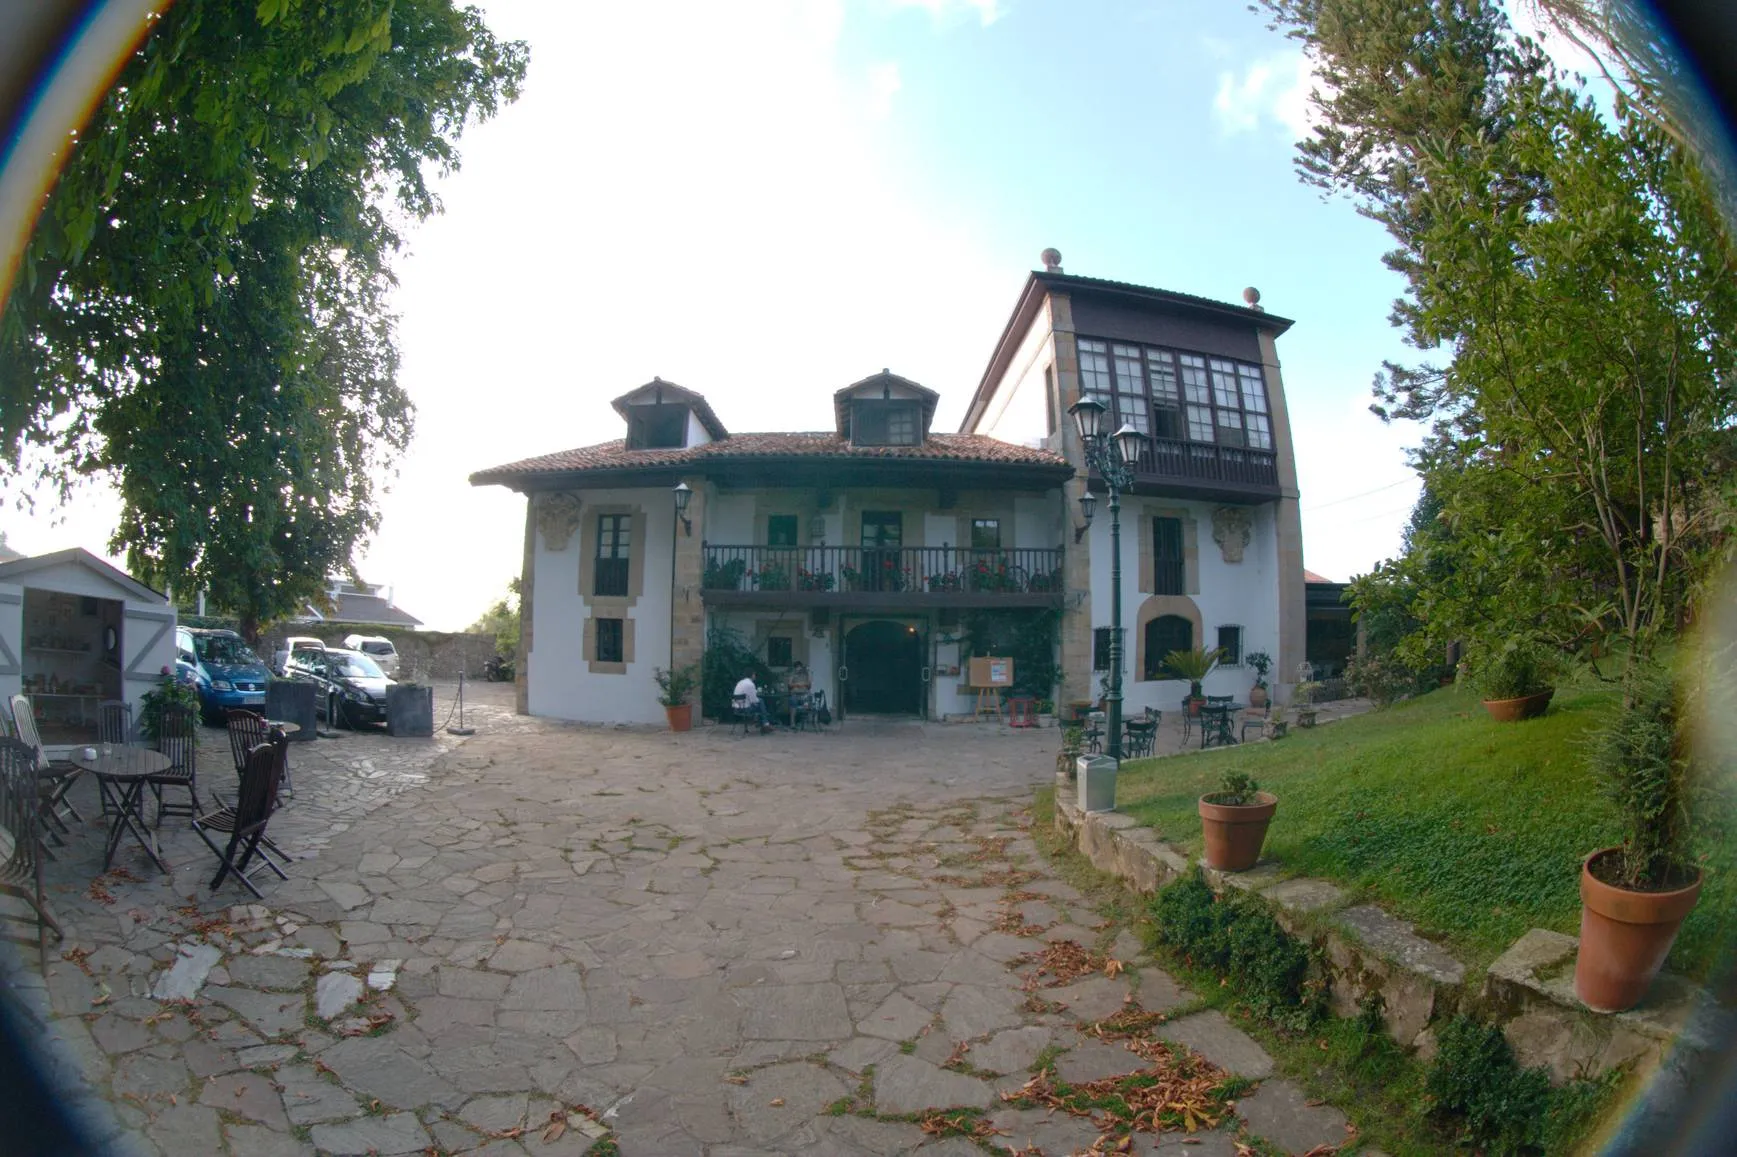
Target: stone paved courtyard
column 717, row 944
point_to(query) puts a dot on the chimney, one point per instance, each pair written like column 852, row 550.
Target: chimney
column 1051, row 260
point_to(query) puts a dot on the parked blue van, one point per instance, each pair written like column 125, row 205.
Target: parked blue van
column 222, row 668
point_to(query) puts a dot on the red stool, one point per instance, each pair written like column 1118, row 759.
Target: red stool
column 1022, row 711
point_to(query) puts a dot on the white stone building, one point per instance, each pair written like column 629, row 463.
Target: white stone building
column 871, row 552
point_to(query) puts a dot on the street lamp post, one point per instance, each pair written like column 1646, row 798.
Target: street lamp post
column 1114, row 458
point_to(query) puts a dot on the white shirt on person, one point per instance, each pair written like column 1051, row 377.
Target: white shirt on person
column 746, row 691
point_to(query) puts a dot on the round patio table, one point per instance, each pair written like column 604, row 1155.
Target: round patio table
column 121, row 773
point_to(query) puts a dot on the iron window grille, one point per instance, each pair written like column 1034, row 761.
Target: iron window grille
column 610, row 640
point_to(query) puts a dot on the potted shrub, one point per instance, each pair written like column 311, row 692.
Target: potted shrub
column 1514, row 681
column 1262, row 663
column 674, row 687
column 1635, row 896
column 1234, row 821
column 1304, row 701
column 1193, row 665
column 1277, row 725
column 1073, row 743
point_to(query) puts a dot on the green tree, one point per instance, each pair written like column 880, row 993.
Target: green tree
column 502, row 621
column 1572, row 269
column 201, row 313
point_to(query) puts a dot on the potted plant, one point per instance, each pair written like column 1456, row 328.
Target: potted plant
column 1277, row 725
column 1635, row 896
column 1262, row 663
column 1514, row 681
column 1304, row 701
column 155, row 704
column 1234, row 821
column 1193, row 665
column 674, row 687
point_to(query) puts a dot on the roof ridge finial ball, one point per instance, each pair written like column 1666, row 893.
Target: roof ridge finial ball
column 1051, row 260
column 1253, row 297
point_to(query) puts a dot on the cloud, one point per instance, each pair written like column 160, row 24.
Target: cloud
column 1271, row 91
column 987, row 11
column 883, row 84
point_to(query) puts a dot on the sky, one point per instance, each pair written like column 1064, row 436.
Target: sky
column 765, row 201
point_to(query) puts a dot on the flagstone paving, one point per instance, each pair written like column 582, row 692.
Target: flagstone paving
column 522, row 942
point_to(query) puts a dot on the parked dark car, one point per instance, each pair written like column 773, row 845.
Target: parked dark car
column 221, row 667
column 351, row 682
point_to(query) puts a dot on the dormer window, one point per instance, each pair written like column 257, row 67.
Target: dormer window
column 886, row 423
column 657, row 427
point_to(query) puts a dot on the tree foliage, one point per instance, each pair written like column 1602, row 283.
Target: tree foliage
column 502, row 620
column 1571, row 269
column 201, row 313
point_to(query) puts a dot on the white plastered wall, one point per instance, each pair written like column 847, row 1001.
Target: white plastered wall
column 560, row 684
column 1241, row 594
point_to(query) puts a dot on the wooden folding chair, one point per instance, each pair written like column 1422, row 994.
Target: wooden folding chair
column 247, row 731
column 177, row 738
column 54, row 777
column 246, row 822
column 20, row 809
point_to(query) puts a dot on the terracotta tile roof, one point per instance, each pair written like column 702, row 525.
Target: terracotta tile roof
column 1310, row 576
column 969, row 448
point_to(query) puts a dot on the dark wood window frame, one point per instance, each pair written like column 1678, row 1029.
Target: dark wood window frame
column 1232, row 649
column 888, row 422
column 610, row 640
column 1165, row 634
column 1178, row 394
column 611, row 574
column 990, row 536
column 780, row 651
column 782, row 529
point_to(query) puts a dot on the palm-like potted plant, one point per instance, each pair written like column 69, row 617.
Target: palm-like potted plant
column 1234, row 821
column 1635, row 896
column 1514, row 680
column 1262, row 663
column 1193, row 665
column 674, row 687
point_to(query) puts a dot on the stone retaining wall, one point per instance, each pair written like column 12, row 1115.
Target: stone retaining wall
column 421, row 654
column 1369, row 953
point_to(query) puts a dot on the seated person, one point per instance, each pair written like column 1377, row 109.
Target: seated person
column 747, row 697
column 799, row 679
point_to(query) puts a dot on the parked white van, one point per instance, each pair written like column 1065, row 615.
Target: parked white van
column 378, row 648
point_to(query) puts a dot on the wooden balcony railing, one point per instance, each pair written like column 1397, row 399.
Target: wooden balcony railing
column 1208, row 462
column 924, row 569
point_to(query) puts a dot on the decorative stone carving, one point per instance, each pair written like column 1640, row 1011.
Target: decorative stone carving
column 557, row 518
column 1231, row 530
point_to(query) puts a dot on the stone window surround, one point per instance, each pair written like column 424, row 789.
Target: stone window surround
column 589, row 645
column 610, row 606
column 1190, row 549
column 1157, row 606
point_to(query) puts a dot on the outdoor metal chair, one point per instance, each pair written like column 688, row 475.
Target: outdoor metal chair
column 177, row 738
column 1255, row 717
column 1215, row 728
column 245, row 823
column 1094, row 732
column 21, row 869
column 54, row 777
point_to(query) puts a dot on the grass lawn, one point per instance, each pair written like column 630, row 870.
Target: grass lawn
column 1474, row 830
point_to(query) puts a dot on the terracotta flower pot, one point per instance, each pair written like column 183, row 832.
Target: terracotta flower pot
column 1234, row 835
column 1194, row 703
column 1525, row 707
column 1624, row 938
column 680, row 718
column 1257, row 696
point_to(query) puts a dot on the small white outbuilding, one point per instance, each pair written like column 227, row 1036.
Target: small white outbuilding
column 75, row 631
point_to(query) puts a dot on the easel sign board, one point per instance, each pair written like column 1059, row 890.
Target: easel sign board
column 989, row 671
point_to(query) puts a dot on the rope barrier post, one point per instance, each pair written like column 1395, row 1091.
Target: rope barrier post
column 461, row 729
